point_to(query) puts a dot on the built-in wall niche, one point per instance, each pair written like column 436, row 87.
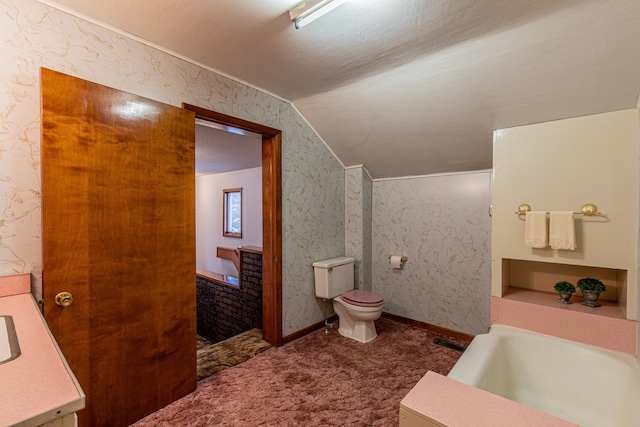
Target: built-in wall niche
column 541, row 276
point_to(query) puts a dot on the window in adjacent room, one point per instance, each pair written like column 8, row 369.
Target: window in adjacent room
column 232, row 212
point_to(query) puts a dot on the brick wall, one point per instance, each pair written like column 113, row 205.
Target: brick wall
column 223, row 310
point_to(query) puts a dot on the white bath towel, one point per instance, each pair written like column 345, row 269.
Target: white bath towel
column 535, row 229
column 562, row 230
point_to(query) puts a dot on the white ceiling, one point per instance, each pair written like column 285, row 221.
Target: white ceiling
column 408, row 87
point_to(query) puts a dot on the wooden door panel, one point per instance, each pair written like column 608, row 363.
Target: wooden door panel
column 118, row 201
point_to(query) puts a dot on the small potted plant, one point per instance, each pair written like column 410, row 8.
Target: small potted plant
column 591, row 289
column 565, row 290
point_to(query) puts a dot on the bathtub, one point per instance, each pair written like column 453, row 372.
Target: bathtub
column 579, row 383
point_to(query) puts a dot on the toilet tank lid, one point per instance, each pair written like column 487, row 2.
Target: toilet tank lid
column 333, row 262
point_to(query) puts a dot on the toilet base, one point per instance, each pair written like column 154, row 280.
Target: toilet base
column 363, row 332
column 359, row 324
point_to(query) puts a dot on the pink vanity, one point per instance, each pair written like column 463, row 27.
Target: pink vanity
column 37, row 388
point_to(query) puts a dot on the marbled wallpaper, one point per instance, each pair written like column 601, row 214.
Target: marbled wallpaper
column 353, row 221
column 441, row 223
column 638, row 293
column 367, row 228
column 33, row 35
column 358, row 223
column 312, row 218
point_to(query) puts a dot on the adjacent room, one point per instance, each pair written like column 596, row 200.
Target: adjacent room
column 407, row 212
column 228, row 246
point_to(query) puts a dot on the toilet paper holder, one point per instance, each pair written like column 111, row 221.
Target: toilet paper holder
column 403, row 259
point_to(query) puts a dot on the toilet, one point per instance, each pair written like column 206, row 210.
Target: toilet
column 356, row 309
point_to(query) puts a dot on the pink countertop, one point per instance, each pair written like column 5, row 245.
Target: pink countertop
column 441, row 401
column 37, row 386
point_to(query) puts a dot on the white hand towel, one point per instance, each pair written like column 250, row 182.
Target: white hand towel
column 562, row 231
column 535, row 229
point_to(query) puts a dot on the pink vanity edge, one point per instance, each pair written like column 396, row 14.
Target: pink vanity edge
column 38, row 386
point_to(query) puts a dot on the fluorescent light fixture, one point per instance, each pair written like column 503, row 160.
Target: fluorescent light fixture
column 308, row 11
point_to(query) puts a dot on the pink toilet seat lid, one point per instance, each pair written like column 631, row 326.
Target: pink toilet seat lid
column 363, row 298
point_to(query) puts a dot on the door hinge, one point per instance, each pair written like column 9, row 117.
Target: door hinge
column 275, row 259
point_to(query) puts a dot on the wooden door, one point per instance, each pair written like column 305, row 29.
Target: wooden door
column 118, row 233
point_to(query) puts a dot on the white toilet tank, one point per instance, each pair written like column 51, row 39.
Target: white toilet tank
column 333, row 277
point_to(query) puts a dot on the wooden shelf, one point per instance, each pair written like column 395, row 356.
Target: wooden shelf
column 250, row 248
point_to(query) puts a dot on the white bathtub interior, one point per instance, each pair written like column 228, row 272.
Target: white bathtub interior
column 579, row 383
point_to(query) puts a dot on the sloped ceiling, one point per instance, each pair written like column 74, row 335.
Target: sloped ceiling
column 219, row 151
column 407, row 87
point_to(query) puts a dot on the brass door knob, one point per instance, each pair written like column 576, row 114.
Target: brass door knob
column 64, row 299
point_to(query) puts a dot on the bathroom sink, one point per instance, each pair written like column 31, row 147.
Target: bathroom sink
column 9, row 347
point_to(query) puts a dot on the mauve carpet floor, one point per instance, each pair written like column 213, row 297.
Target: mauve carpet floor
column 318, row 380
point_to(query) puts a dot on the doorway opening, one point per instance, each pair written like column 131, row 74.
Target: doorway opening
column 271, row 216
